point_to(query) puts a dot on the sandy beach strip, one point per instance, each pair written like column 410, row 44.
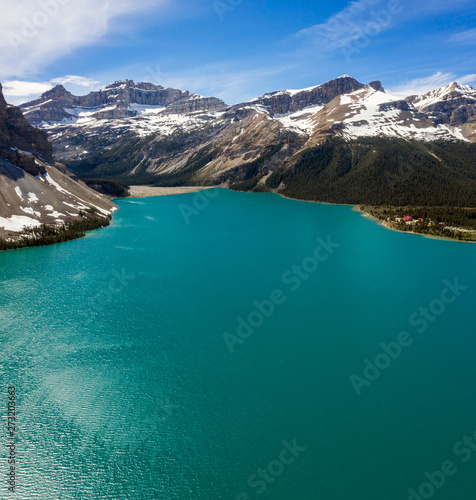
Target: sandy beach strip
column 149, row 191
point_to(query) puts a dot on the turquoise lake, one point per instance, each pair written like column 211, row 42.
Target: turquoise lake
column 133, row 382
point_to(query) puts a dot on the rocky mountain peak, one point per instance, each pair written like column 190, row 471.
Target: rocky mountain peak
column 291, row 101
column 19, row 141
column 132, row 85
column 120, row 83
column 453, row 104
column 57, row 92
column 119, row 99
column 377, row 85
column 3, row 103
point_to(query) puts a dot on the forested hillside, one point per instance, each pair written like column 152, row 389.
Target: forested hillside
column 381, row 171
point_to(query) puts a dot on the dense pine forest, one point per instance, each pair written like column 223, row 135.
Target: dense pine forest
column 378, row 171
column 110, row 188
column 47, row 234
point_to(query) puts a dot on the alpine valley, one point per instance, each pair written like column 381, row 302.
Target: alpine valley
column 342, row 141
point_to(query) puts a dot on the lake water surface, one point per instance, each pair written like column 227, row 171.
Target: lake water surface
column 240, row 346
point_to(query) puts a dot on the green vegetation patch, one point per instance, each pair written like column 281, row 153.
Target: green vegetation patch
column 48, row 234
column 110, row 188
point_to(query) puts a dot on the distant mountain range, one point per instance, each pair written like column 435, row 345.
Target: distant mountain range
column 122, row 99
column 143, row 133
column 34, row 188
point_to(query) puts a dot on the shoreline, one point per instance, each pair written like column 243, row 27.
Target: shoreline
column 152, row 191
column 355, row 208
column 386, row 226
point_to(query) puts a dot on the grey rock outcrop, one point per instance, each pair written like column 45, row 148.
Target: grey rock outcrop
column 116, row 100
column 283, row 102
column 454, row 104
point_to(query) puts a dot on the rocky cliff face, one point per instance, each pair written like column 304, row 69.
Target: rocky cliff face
column 34, row 189
column 19, row 141
column 121, row 99
column 290, row 101
column 450, row 104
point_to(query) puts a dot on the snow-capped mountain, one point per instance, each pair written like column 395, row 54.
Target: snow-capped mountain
column 141, row 132
column 291, row 101
column 121, row 99
column 373, row 113
column 34, row 189
column 453, row 104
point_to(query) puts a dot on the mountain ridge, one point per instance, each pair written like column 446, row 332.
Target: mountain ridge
column 168, row 145
column 57, row 105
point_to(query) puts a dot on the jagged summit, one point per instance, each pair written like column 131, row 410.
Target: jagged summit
column 289, row 101
column 453, row 104
column 58, row 93
column 131, row 84
column 377, row 85
column 120, row 99
column 119, row 83
column 449, row 92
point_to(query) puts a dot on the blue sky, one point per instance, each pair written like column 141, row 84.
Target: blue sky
column 235, row 49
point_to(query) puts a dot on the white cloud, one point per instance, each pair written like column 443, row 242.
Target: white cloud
column 35, row 33
column 17, row 88
column 80, row 81
column 467, row 79
column 420, row 86
column 19, row 91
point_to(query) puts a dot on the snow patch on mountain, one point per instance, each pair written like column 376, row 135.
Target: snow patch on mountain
column 444, row 93
column 370, row 113
column 300, row 121
column 18, row 223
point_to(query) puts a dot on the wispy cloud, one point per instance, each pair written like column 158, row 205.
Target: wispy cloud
column 350, row 24
column 420, row 86
column 231, row 81
column 34, row 34
column 467, row 79
column 465, row 37
column 80, row 81
column 363, row 20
